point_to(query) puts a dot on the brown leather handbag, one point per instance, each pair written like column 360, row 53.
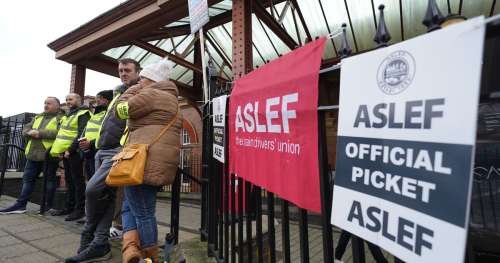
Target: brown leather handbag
column 128, row 166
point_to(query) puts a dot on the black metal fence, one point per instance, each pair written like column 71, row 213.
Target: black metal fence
column 486, row 198
column 190, row 163
column 12, row 156
column 11, row 132
column 243, row 223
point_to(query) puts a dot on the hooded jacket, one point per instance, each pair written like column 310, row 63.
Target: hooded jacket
column 150, row 109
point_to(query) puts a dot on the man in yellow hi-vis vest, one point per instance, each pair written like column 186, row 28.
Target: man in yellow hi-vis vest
column 66, row 147
column 40, row 134
column 87, row 142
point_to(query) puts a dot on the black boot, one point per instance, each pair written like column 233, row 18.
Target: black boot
column 75, row 215
column 65, row 211
column 85, row 240
column 92, row 254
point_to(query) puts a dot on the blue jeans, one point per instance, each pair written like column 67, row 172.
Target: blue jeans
column 31, row 172
column 138, row 212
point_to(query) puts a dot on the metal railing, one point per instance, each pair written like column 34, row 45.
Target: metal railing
column 485, row 202
column 234, row 212
column 5, row 149
column 11, row 133
column 190, row 163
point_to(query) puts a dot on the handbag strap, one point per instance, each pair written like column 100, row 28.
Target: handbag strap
column 165, row 129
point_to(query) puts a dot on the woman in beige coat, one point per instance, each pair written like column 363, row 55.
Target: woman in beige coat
column 150, row 107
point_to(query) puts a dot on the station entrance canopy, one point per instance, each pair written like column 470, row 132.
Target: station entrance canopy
column 147, row 30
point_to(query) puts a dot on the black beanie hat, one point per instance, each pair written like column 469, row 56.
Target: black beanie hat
column 107, row 94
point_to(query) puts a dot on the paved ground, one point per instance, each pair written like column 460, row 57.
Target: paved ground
column 33, row 238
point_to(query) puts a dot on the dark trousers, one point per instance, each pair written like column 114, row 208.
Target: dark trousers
column 31, row 172
column 89, row 163
column 75, row 182
column 344, row 240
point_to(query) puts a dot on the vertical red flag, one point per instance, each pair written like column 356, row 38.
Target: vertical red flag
column 273, row 126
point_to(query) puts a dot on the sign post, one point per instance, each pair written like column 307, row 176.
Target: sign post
column 198, row 16
column 206, row 90
column 405, row 146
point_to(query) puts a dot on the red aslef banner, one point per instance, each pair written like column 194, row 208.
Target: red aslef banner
column 273, row 126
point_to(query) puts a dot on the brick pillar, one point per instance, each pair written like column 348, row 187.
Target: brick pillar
column 242, row 37
column 77, row 80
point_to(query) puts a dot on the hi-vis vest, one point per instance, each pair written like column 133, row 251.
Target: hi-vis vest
column 52, row 125
column 92, row 129
column 67, row 133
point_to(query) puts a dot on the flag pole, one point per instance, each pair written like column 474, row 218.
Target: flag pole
column 206, row 92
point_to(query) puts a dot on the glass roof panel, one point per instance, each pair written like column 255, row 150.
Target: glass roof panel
column 362, row 21
column 313, row 16
column 166, row 45
column 177, row 23
column 188, row 76
column 177, row 71
column 260, row 40
column 336, row 15
column 217, row 46
column 361, row 14
column 302, row 31
column 454, row 5
column 289, row 25
column 268, row 47
column 214, row 54
column 443, row 6
column 150, row 59
column 190, row 55
column 215, row 11
column 115, row 52
column 476, row 8
column 134, row 53
column 222, row 36
column 329, row 51
column 226, row 4
column 180, row 43
column 257, row 60
column 413, row 14
column 189, row 58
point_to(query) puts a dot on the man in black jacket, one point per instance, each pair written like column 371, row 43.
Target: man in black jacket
column 99, row 208
column 88, row 142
